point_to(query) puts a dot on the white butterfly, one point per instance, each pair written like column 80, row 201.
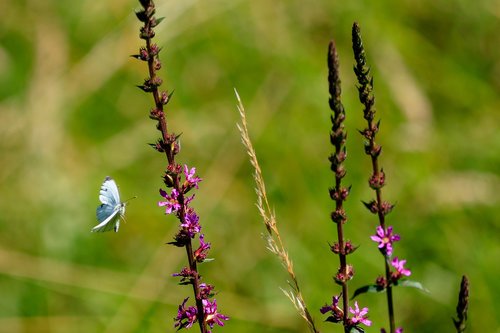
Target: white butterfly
column 111, row 210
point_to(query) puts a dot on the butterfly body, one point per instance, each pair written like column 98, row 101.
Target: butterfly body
column 111, row 210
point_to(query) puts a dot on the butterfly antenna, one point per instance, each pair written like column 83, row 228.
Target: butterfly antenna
column 126, row 201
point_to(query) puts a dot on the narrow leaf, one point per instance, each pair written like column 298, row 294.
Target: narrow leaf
column 373, row 288
column 157, row 21
column 356, row 329
column 411, row 284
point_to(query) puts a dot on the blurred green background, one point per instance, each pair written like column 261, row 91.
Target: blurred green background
column 70, row 115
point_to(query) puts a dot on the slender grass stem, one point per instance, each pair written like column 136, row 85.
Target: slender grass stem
column 274, row 241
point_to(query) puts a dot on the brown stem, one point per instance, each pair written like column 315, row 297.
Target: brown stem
column 170, row 154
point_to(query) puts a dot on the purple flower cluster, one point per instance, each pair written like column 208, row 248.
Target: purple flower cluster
column 187, row 316
column 385, row 239
column 177, row 202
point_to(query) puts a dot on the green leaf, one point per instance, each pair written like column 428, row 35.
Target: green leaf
column 411, row 284
column 207, row 260
column 356, row 329
column 158, row 20
column 373, row 288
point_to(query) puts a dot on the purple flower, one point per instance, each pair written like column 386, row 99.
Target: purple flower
column 172, row 202
column 187, row 200
column 191, row 225
column 385, row 239
column 400, row 269
column 206, row 290
column 334, row 305
column 359, row 316
column 186, row 275
column 336, row 312
column 212, row 317
column 185, row 317
column 201, row 253
column 191, row 179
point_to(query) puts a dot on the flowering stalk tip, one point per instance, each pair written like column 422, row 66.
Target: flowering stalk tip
column 462, row 306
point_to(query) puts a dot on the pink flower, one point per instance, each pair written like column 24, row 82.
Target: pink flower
column 191, row 225
column 385, row 239
column 171, row 203
column 201, row 253
column 212, row 317
column 359, row 315
column 400, row 269
column 191, row 179
column 186, row 317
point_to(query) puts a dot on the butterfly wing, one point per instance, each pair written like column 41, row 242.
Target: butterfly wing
column 111, row 210
column 109, row 194
column 108, row 217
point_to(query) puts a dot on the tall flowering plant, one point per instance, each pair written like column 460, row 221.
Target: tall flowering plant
column 352, row 319
column 179, row 181
column 394, row 268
